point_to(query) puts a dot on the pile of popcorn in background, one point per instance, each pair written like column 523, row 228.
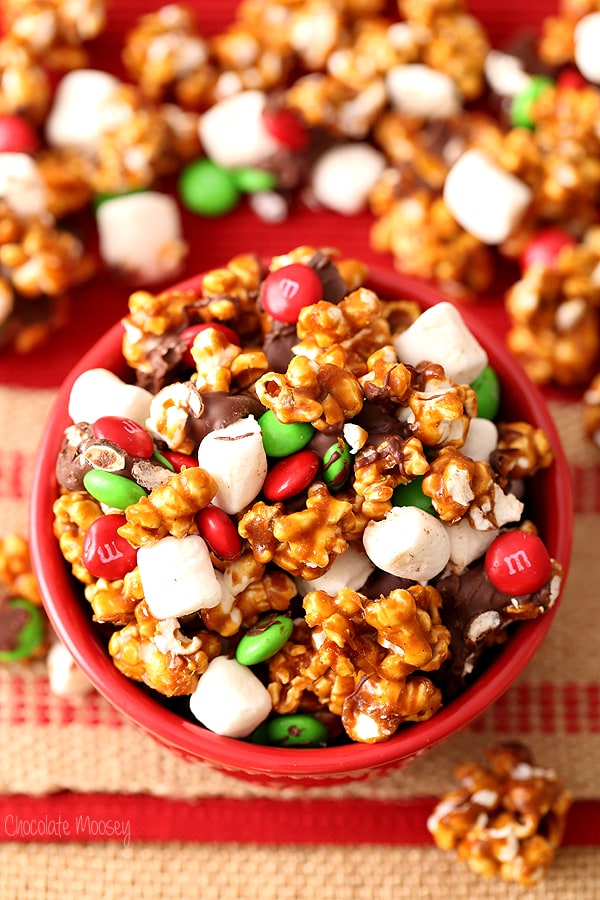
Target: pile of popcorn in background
column 475, row 163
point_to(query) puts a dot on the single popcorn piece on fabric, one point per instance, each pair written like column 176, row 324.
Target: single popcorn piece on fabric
column 507, row 818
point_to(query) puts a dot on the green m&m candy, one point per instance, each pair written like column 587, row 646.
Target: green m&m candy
column 113, row 490
column 522, row 104
column 280, row 439
column 206, row 189
column 294, row 730
column 264, row 639
column 251, row 181
column 337, row 465
column 411, row 494
column 24, row 621
column 487, row 388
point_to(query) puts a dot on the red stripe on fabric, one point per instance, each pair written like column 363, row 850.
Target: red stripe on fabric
column 550, row 708
column 12, row 465
column 593, row 708
column 586, row 489
column 128, row 819
column 572, row 717
column 547, row 707
column 524, row 708
column 501, row 715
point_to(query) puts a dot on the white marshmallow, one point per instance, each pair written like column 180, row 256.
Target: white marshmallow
column 140, row 235
column 409, row 543
column 587, row 46
column 482, row 439
column 505, row 73
column 76, row 117
column 99, row 392
column 484, row 199
column 504, row 508
column 418, row 90
column 344, row 176
column 21, row 185
column 466, row 544
column 350, row 570
column 65, row 678
column 236, row 458
column 177, row 576
column 229, row 699
column 440, row 335
column 232, row 131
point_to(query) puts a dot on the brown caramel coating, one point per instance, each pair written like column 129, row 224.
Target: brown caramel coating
column 158, row 653
column 507, row 818
column 170, row 509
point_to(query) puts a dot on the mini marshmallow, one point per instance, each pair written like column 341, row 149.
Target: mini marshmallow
column 505, row 73
column 506, row 508
column 65, row 678
column 229, row 699
column 344, row 176
column 587, row 46
column 140, row 236
column 440, row 334
column 482, row 439
column 99, row 392
column 76, row 117
column 418, row 90
column 21, row 186
column 350, row 570
column 484, row 199
column 236, row 458
column 232, row 131
column 466, row 544
column 177, row 576
column 408, row 542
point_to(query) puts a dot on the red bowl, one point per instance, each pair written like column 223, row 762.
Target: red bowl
column 550, row 506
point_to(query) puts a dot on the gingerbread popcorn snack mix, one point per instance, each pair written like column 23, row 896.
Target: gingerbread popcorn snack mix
column 301, row 506
column 507, row 817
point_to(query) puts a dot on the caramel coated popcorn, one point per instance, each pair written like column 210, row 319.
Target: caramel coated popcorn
column 260, row 489
column 507, row 818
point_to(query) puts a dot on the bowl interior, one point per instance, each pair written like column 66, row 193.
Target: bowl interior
column 549, row 502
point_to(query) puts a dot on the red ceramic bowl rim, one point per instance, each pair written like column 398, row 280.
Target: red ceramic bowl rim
column 78, row 633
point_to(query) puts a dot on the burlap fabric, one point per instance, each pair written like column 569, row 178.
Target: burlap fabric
column 49, row 745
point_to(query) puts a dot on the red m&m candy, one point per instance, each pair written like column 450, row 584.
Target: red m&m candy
column 291, row 475
column 287, row 290
column 178, row 460
column 188, row 335
column 545, row 246
column 286, row 127
column 126, row 434
column 17, row 135
column 105, row 553
column 219, row 532
column 517, row 563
